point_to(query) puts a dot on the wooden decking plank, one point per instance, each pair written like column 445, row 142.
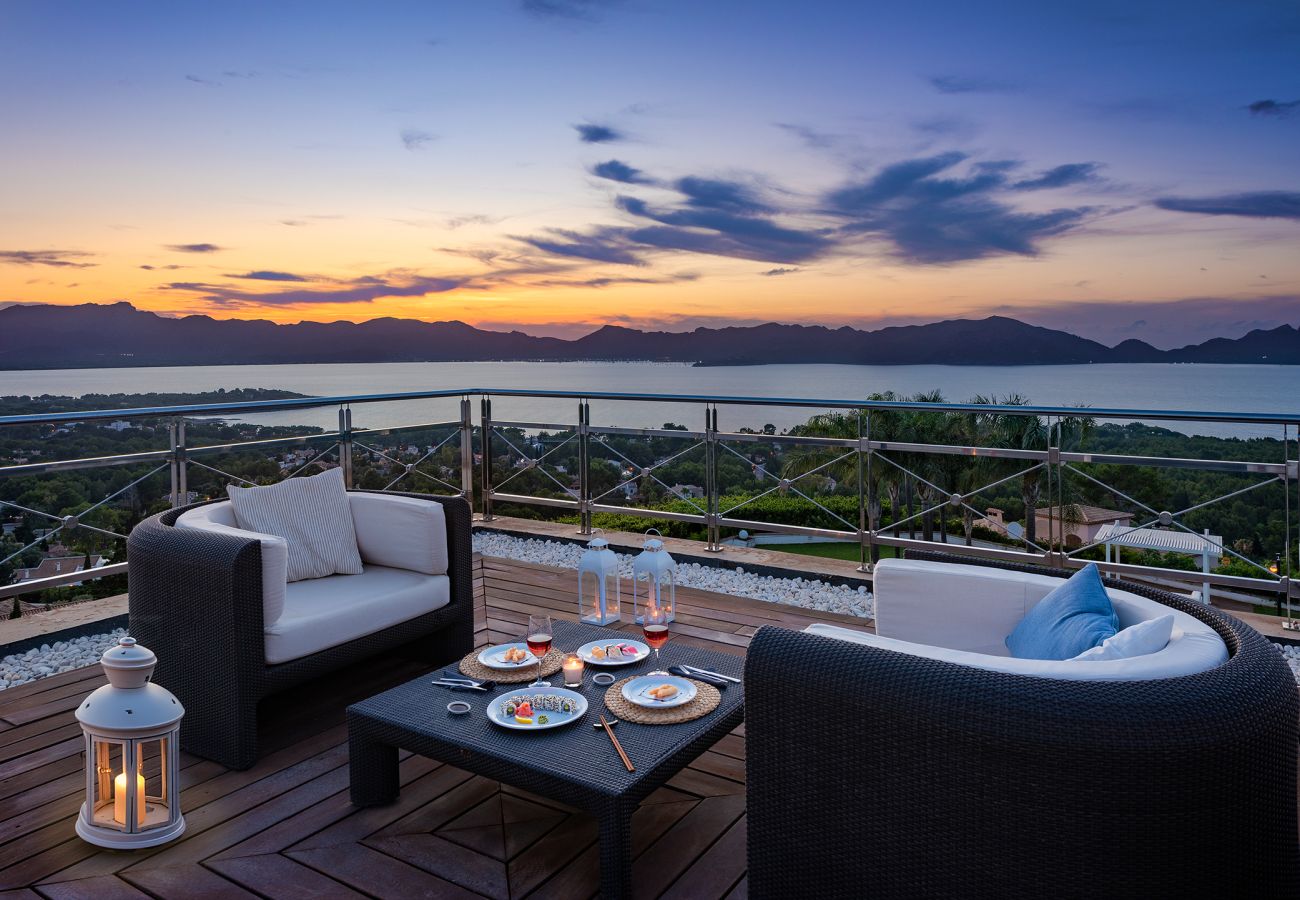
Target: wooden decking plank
column 740, row 891
column 376, row 820
column 281, row 878
column 723, row 766
column 673, row 853
column 50, row 682
column 702, row 784
column 451, row 862
column 551, row 854
column 715, row 871
column 378, row 874
column 437, row 812
column 316, row 818
column 187, row 883
column 106, row 887
column 39, row 741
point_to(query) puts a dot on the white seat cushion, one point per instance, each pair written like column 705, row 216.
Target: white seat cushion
column 219, row 518
column 325, row 612
column 401, row 532
column 312, row 514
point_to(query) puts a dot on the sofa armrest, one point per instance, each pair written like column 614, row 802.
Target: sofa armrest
column 960, row 607
column 400, row 531
column 275, row 561
column 196, row 600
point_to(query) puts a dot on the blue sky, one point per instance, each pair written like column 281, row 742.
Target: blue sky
column 1117, row 169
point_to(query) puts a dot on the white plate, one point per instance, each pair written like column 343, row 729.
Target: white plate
column 491, row 656
column 635, row 691
column 496, row 709
column 642, row 651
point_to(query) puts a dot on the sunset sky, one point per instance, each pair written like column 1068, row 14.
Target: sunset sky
column 1116, row 169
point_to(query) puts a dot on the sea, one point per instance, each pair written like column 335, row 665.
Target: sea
column 1183, row 387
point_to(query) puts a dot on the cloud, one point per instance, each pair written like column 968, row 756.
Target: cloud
column 148, row 268
column 206, row 82
column 359, row 290
column 718, row 232
column 580, row 10
column 268, row 275
column 1273, row 108
column 194, row 248
column 968, row 84
column 414, row 139
column 607, row 245
column 930, row 219
column 57, row 259
column 818, row 140
column 616, row 170
column 1257, row 204
column 773, row 272
column 728, row 196
column 606, row 281
column 597, row 134
column 1061, row 176
column 461, row 221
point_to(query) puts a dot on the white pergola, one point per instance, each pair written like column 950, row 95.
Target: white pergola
column 1207, row 546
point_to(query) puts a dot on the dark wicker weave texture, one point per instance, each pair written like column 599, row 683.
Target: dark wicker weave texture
column 879, row 774
column 576, row 765
column 196, row 601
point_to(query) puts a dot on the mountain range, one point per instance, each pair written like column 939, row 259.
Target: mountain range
column 112, row 335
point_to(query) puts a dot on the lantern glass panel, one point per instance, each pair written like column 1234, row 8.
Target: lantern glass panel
column 108, row 781
column 599, row 597
column 153, row 756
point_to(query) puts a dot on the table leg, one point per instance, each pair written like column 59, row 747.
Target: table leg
column 372, row 767
column 616, row 851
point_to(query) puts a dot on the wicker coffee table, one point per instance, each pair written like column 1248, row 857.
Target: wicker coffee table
column 576, row 765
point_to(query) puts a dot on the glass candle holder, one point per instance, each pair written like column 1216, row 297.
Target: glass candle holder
column 572, row 670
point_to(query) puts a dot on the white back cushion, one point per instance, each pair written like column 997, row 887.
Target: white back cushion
column 401, row 532
column 312, row 514
column 1150, row 636
column 220, row 519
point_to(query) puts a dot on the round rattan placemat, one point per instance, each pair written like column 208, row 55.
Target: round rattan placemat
column 707, row 698
column 470, row 666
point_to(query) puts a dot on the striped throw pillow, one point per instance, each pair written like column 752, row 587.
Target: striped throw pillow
column 311, row 514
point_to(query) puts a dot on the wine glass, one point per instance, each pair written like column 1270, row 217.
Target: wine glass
column 654, row 628
column 539, row 643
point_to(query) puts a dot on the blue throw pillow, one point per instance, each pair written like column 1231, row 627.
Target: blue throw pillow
column 1074, row 617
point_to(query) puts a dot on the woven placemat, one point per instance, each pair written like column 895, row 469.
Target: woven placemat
column 707, row 698
column 551, row 663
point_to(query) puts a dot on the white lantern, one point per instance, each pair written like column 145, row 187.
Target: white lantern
column 598, row 587
column 654, row 580
column 132, row 730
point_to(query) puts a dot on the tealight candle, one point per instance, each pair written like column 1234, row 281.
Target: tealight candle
column 573, row 670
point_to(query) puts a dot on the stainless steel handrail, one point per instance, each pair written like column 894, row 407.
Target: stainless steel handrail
column 1050, row 462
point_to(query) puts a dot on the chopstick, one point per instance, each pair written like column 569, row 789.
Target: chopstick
column 617, row 746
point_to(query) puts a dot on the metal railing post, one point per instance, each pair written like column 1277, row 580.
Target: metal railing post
column 467, row 450
column 711, row 488
column 179, row 467
column 345, row 444
column 485, row 420
column 584, row 467
column 1055, row 499
column 866, row 527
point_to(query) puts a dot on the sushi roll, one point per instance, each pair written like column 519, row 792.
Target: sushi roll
column 614, row 651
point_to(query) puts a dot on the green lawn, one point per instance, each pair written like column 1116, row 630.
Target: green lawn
column 837, row 550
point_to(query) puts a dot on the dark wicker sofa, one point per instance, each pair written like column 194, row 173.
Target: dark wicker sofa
column 874, row 773
column 196, row 601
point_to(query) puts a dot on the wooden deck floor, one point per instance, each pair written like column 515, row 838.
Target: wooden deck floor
column 285, row 827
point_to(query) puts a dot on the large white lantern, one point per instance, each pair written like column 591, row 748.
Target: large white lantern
column 132, row 727
column 598, row 587
column 654, row 580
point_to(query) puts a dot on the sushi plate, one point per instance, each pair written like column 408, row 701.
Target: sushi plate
column 637, row 691
column 556, row 717
column 585, row 653
column 492, row 656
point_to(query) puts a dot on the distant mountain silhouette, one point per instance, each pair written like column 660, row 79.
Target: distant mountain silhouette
column 118, row 334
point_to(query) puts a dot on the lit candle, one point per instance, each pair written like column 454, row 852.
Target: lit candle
column 119, row 799
column 573, row 670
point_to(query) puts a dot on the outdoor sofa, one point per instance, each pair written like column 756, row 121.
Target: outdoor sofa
column 212, row 602
column 881, row 767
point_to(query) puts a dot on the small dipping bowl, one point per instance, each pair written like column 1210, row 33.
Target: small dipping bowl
column 604, row 679
column 458, row 707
